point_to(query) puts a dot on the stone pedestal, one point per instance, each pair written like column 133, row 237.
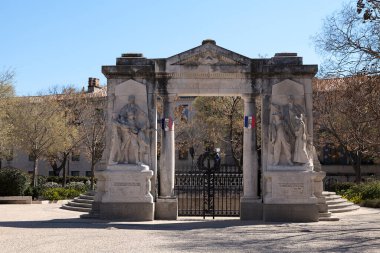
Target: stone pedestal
column 166, row 209
column 289, row 196
column 251, row 209
column 318, row 189
column 123, row 193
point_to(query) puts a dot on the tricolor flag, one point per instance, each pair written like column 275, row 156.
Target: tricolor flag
column 167, row 124
column 249, row 122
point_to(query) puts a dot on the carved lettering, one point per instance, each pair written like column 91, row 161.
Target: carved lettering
column 291, row 189
column 126, row 184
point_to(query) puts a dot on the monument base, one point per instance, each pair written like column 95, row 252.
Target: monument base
column 123, row 193
column 127, row 211
column 166, row 209
column 251, row 209
column 289, row 196
column 291, row 212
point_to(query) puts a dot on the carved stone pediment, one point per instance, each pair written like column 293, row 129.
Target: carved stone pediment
column 209, row 54
column 208, row 58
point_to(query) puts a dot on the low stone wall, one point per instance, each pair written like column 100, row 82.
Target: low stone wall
column 16, row 200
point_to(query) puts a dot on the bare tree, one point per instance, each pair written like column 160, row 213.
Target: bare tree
column 69, row 100
column 92, row 129
column 36, row 127
column 6, row 84
column 220, row 119
column 6, row 91
column 370, row 9
column 348, row 43
column 347, row 114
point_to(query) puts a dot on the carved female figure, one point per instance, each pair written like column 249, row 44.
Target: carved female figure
column 300, row 151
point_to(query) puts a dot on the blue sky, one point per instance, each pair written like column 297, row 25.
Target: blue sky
column 51, row 43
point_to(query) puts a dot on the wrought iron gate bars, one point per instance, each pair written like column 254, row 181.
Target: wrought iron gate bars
column 209, row 194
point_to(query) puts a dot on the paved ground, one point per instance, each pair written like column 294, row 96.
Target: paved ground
column 46, row 228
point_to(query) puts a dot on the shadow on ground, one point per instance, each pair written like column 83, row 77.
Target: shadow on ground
column 231, row 235
column 104, row 224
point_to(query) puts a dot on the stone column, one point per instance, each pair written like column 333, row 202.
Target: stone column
column 167, row 151
column 251, row 207
column 167, row 205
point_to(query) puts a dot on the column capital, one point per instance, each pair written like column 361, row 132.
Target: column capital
column 249, row 97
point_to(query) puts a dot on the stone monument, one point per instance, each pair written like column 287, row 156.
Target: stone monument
column 290, row 173
column 290, row 178
column 123, row 188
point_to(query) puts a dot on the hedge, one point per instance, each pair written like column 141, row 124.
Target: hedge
column 366, row 194
column 13, row 182
column 59, row 180
column 60, row 193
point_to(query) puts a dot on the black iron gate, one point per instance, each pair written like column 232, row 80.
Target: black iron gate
column 208, row 189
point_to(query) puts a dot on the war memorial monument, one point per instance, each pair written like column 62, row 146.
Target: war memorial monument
column 291, row 177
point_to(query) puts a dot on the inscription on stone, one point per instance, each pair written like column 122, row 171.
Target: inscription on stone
column 126, row 184
column 130, row 189
column 291, row 189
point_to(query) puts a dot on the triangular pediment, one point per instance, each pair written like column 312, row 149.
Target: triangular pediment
column 209, row 54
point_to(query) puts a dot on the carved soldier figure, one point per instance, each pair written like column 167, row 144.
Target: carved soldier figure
column 292, row 111
column 130, row 135
column 294, row 126
column 280, row 138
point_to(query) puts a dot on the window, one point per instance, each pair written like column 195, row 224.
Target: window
column 75, row 173
column 75, row 156
column 51, row 173
column 88, row 173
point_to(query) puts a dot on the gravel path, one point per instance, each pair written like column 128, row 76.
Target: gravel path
column 47, row 228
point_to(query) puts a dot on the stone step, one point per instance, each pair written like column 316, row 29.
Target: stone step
column 90, row 193
column 76, row 204
column 335, row 201
column 328, row 219
column 332, row 197
column 85, row 196
column 340, row 205
column 79, row 200
column 327, row 214
column 326, row 193
column 76, row 208
column 350, row 208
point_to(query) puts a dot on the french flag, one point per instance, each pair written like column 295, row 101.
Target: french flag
column 167, row 124
column 249, row 122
